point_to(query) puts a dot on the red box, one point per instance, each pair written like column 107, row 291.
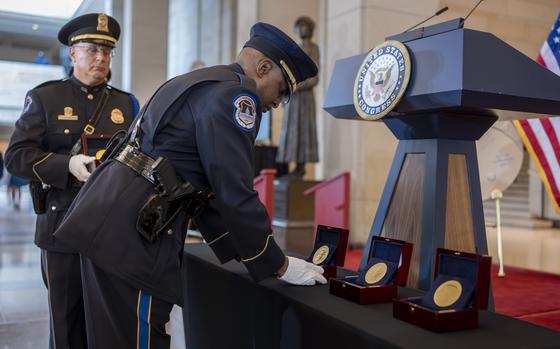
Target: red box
column 335, row 236
column 343, row 287
column 93, row 143
column 409, row 310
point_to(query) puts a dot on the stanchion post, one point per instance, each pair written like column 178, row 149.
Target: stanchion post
column 497, row 195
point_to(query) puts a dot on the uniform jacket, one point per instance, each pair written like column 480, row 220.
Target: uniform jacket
column 45, row 133
column 205, row 122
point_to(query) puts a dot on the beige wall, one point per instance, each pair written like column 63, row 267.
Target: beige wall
column 353, row 26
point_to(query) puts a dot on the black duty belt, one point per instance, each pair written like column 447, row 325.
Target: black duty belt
column 137, row 161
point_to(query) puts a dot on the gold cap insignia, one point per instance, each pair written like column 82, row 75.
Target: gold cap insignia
column 117, row 116
column 68, row 115
column 102, row 23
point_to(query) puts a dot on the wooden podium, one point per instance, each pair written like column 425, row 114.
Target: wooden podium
column 461, row 82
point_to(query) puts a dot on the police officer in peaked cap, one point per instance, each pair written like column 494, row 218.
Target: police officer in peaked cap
column 203, row 124
column 64, row 124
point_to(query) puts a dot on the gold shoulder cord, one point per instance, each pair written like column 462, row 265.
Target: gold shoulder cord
column 39, row 162
column 218, row 238
column 260, row 253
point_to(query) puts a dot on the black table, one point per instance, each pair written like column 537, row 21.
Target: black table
column 225, row 309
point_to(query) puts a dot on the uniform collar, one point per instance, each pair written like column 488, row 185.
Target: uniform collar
column 236, row 68
column 85, row 88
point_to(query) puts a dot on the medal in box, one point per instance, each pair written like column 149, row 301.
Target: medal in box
column 387, row 267
column 329, row 249
column 461, row 287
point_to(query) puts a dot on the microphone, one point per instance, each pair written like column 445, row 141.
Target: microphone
column 427, row 19
column 474, row 8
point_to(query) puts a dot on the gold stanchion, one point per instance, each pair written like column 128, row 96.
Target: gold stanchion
column 497, row 195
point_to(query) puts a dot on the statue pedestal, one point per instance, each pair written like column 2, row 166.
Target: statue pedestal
column 293, row 215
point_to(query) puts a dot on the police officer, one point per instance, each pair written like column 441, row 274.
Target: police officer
column 62, row 124
column 204, row 123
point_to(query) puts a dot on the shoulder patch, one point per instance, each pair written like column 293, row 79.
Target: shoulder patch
column 245, row 112
column 27, row 103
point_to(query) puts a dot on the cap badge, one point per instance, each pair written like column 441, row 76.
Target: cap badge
column 381, row 80
column 245, row 112
column 117, row 116
column 68, row 115
column 102, row 23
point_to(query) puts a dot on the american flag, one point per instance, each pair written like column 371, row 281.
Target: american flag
column 541, row 136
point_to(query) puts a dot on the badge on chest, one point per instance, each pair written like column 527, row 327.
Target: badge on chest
column 117, row 116
column 68, row 115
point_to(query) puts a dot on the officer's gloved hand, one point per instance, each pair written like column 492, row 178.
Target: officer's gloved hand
column 300, row 272
column 77, row 166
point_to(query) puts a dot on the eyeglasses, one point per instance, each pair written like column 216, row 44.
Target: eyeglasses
column 93, row 50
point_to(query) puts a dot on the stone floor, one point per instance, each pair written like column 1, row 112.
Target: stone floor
column 24, row 318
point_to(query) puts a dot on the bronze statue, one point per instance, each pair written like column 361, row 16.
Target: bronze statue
column 298, row 137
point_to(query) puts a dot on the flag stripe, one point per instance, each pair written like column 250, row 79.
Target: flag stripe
column 549, row 59
column 541, row 136
column 549, row 159
column 521, row 126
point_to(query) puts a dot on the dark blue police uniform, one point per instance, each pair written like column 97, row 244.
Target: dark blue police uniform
column 53, row 120
column 205, row 122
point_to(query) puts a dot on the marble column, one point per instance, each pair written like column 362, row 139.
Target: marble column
column 144, row 46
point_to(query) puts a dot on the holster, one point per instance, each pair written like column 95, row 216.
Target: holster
column 38, row 196
column 170, row 195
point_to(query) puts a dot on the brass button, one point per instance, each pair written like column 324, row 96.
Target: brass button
column 90, row 96
column 169, row 232
column 53, row 208
column 66, row 131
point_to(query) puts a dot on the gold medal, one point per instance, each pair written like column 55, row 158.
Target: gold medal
column 448, row 293
column 117, row 116
column 321, row 254
column 99, row 154
column 376, row 273
column 68, row 115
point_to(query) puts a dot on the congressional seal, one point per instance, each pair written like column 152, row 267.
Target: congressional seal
column 382, row 80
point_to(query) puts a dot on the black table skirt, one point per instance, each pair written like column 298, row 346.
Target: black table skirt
column 225, row 309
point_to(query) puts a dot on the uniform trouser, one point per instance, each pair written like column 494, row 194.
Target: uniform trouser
column 61, row 273
column 119, row 315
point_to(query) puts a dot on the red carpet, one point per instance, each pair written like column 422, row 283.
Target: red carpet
column 527, row 295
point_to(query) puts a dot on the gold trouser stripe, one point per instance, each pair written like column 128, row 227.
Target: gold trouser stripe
column 260, row 253
column 39, row 162
column 49, row 298
column 138, row 320
column 149, row 321
column 218, row 238
column 94, row 36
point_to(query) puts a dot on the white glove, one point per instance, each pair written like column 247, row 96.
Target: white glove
column 300, row 272
column 77, row 166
